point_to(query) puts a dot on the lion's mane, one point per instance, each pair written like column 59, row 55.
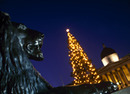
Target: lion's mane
column 17, row 74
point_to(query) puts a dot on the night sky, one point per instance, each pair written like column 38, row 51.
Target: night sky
column 92, row 22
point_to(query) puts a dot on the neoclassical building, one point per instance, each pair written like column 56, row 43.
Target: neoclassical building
column 115, row 70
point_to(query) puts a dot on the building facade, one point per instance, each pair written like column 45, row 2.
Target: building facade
column 115, row 70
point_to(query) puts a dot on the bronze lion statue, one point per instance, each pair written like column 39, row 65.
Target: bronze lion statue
column 18, row 44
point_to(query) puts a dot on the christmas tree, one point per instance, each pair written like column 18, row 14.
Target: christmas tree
column 83, row 70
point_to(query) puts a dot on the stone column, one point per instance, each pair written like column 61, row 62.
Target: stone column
column 127, row 68
column 111, row 75
column 118, row 76
column 109, row 78
column 124, row 76
column 106, row 77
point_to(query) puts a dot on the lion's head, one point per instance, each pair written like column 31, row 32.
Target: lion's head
column 30, row 40
column 18, row 44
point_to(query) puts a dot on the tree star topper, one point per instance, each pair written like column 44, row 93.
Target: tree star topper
column 67, row 30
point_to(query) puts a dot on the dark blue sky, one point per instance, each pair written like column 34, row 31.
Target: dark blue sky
column 92, row 22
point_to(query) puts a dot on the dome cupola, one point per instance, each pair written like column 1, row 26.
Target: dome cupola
column 108, row 55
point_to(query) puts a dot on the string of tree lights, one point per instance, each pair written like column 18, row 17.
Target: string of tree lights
column 83, row 70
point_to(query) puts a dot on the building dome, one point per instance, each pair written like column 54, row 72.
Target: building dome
column 106, row 51
column 108, row 55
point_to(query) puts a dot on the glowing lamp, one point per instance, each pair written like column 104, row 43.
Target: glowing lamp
column 67, row 30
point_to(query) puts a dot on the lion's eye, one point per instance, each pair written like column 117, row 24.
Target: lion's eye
column 29, row 46
column 32, row 48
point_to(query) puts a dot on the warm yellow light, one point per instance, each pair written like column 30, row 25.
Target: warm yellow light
column 95, row 73
column 97, row 77
column 67, row 30
column 80, row 67
column 93, row 69
column 75, row 77
column 90, row 65
column 81, row 64
column 99, row 81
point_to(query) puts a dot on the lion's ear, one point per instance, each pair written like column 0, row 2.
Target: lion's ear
column 21, row 26
column 4, row 19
